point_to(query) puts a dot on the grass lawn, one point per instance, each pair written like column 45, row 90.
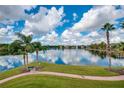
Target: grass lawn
column 82, row 70
column 46, row 81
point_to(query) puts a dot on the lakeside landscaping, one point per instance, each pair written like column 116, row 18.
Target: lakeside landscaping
column 47, row 81
column 81, row 70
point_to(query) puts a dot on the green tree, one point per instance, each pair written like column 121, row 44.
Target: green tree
column 26, row 43
column 102, row 45
column 15, row 47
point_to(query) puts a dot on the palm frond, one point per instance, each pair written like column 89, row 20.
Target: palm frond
column 18, row 41
column 108, row 27
column 24, row 38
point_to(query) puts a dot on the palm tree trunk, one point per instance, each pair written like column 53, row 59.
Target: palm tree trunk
column 27, row 57
column 24, row 60
column 37, row 54
column 108, row 51
column 108, row 42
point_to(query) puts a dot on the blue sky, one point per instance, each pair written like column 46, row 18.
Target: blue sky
column 55, row 25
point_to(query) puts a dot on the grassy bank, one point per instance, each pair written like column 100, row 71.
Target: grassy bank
column 45, row 81
column 81, row 70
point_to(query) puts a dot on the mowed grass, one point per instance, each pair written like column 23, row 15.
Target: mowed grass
column 81, row 70
column 11, row 72
column 46, row 81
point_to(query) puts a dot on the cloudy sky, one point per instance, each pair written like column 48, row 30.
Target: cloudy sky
column 55, row 25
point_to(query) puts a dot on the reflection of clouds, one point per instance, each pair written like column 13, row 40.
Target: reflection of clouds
column 102, row 62
column 8, row 62
column 117, row 62
column 3, row 62
column 67, row 56
column 94, row 59
column 71, row 56
column 52, row 55
column 82, row 56
column 90, row 57
column 31, row 57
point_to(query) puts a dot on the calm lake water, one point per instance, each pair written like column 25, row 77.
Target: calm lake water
column 66, row 56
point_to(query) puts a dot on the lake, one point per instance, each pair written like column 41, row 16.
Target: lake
column 66, row 57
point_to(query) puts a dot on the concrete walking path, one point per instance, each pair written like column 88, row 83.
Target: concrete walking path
column 107, row 78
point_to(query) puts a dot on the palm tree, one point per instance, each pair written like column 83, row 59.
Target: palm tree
column 122, row 44
column 16, row 48
column 37, row 46
column 122, row 26
column 108, row 27
column 26, row 43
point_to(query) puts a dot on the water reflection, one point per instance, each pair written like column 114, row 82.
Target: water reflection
column 66, row 56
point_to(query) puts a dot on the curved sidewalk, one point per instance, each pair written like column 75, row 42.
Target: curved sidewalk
column 109, row 78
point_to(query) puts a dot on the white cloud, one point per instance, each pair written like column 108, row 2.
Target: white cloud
column 7, row 35
column 48, row 39
column 3, row 31
column 117, row 36
column 69, row 37
column 96, row 17
column 51, row 37
column 116, row 39
column 93, row 34
column 75, row 16
column 13, row 12
column 44, row 21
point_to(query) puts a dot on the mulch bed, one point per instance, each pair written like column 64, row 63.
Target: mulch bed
column 37, row 68
column 119, row 71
